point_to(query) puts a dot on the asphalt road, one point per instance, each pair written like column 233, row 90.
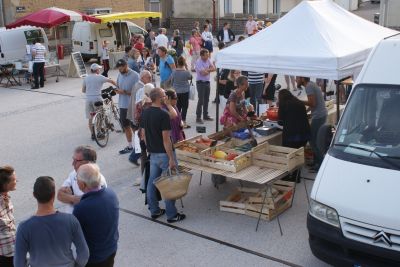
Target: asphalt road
column 41, row 128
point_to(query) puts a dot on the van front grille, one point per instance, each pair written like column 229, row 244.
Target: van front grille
column 370, row 234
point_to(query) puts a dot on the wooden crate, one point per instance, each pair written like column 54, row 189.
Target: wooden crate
column 240, row 162
column 277, row 157
column 234, row 143
column 226, row 132
column 248, row 201
column 193, row 157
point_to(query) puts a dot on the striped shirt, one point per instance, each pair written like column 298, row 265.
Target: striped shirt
column 40, row 50
column 255, row 77
column 7, row 227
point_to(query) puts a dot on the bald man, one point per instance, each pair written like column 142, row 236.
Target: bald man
column 98, row 214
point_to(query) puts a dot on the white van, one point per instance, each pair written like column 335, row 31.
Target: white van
column 13, row 42
column 87, row 37
column 354, row 216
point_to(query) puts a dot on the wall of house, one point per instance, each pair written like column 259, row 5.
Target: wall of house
column 191, row 8
column 393, row 18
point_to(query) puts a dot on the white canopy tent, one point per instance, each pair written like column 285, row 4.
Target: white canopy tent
column 315, row 39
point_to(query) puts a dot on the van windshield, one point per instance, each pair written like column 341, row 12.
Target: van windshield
column 135, row 30
column 32, row 35
column 369, row 132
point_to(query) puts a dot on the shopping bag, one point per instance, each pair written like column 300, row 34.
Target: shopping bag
column 192, row 91
column 173, row 186
column 30, row 66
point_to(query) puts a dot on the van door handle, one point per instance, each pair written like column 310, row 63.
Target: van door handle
column 2, row 55
column 115, row 42
column 81, row 43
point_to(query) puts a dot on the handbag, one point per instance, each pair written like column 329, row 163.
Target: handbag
column 30, row 67
column 192, row 91
column 173, row 186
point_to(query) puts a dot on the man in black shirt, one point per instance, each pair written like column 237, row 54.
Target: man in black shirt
column 157, row 127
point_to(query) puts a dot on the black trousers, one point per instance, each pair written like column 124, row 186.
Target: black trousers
column 106, row 67
column 38, row 72
column 183, row 104
column 6, row 261
column 109, row 262
column 203, row 91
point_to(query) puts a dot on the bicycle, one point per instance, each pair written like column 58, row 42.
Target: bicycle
column 104, row 116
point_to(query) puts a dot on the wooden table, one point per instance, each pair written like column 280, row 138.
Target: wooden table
column 255, row 174
column 57, row 72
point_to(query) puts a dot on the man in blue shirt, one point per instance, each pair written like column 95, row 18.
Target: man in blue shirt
column 167, row 65
column 98, row 214
column 126, row 82
column 48, row 235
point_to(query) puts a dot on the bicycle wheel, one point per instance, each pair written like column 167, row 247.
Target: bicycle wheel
column 100, row 129
column 117, row 120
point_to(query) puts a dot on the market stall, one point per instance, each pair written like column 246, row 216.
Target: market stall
column 49, row 18
column 254, row 158
column 315, row 39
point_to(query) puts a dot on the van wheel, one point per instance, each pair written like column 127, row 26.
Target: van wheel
column 324, row 138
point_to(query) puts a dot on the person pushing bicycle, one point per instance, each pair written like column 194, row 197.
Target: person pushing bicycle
column 92, row 85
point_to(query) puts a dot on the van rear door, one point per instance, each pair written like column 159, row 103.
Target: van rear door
column 105, row 33
column 121, row 33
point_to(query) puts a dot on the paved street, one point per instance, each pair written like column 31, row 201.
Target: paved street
column 40, row 129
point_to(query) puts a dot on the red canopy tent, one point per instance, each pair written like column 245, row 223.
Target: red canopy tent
column 51, row 17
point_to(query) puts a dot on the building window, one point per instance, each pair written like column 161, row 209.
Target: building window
column 250, row 7
column 227, row 6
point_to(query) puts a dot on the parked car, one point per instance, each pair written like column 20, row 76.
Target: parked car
column 13, row 42
column 354, row 216
column 87, row 38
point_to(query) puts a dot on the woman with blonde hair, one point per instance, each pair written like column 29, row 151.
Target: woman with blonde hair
column 195, row 41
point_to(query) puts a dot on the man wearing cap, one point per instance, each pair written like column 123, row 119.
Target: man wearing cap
column 92, row 85
column 126, row 83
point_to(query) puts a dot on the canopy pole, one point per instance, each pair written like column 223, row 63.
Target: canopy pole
column 217, row 104
column 337, row 101
column 55, row 38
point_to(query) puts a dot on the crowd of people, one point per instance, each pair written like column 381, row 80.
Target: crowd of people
column 156, row 114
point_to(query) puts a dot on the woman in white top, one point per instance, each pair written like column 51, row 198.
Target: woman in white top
column 105, row 57
column 208, row 39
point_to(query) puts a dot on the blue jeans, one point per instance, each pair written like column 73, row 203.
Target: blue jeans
column 256, row 91
column 159, row 163
column 315, row 125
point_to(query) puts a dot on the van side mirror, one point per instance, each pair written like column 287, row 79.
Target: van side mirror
column 324, row 137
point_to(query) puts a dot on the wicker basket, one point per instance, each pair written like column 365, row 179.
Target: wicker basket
column 173, row 186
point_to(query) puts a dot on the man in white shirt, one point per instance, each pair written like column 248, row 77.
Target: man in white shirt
column 92, row 85
column 226, row 35
column 161, row 38
column 70, row 193
column 251, row 26
column 38, row 53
